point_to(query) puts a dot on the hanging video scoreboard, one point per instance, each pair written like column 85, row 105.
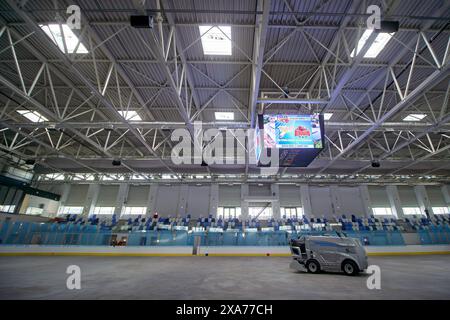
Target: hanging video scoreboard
column 298, row 138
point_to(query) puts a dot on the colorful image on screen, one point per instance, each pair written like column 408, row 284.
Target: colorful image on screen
column 257, row 143
column 292, row 131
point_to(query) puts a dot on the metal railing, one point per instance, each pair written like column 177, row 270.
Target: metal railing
column 30, row 233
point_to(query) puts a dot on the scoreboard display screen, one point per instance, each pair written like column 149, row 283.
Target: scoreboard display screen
column 299, row 138
column 292, row 131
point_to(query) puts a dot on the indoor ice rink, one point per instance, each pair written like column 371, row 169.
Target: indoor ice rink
column 224, row 150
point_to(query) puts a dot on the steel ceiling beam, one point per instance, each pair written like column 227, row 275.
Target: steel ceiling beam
column 122, row 73
column 184, row 62
column 197, row 11
column 236, row 25
column 444, row 121
column 44, row 111
column 259, row 43
column 350, row 90
column 157, row 50
column 171, row 125
column 421, row 159
column 292, row 101
column 331, row 180
column 69, row 64
column 47, row 146
column 364, row 126
column 337, row 37
column 394, row 62
column 230, row 62
column 350, row 71
column 428, row 83
column 60, row 75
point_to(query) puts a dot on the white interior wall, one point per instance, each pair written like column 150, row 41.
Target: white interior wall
column 55, row 188
column 107, row 196
column 229, row 196
column 170, row 200
column 77, row 196
column 379, row 198
column 137, row 196
column 436, row 196
column 407, row 196
column 259, row 190
column 321, row 202
column 198, row 201
column 166, row 202
column 290, row 196
column 351, row 200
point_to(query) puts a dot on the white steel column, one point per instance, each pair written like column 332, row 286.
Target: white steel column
column 244, row 204
column 152, row 199
column 213, row 199
column 65, row 195
column 423, row 200
column 394, row 201
column 121, row 198
column 275, row 189
column 446, row 193
column 259, row 42
column 91, row 199
column 182, row 201
column 336, row 200
column 306, row 200
column 365, row 198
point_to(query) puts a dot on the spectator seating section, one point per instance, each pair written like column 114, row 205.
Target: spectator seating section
column 98, row 230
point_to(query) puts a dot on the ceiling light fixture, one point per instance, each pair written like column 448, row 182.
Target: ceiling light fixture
column 224, row 115
column 33, row 116
column 414, row 117
column 216, row 40
column 388, row 28
column 64, row 38
column 130, row 115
